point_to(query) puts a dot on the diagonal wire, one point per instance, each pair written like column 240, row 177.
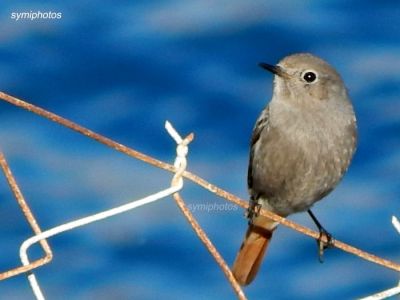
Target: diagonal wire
column 176, row 185
column 31, row 220
column 209, row 245
column 181, row 164
column 198, row 180
column 84, row 221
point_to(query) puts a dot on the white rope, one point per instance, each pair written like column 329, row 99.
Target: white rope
column 393, row 291
column 181, row 152
column 384, row 295
column 176, row 185
column 396, row 223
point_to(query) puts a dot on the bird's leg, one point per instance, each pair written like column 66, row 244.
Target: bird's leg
column 253, row 210
column 322, row 246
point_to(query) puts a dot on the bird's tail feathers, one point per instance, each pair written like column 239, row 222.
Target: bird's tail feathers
column 251, row 253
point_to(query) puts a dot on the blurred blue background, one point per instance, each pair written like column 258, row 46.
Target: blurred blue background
column 123, row 68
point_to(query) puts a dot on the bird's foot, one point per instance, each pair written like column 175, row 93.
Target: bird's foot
column 253, row 211
column 324, row 241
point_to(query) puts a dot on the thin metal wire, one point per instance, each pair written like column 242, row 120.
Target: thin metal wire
column 210, row 247
column 31, row 220
column 176, row 185
column 181, row 164
column 84, row 221
column 198, row 180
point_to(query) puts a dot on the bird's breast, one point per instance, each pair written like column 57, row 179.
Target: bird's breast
column 300, row 159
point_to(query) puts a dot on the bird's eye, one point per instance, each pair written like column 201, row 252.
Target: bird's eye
column 309, row 76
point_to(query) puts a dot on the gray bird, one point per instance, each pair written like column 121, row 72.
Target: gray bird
column 301, row 146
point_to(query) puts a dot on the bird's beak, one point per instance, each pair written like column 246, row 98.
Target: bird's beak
column 277, row 70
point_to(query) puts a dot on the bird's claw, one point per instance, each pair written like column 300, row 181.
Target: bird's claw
column 253, row 211
column 323, row 245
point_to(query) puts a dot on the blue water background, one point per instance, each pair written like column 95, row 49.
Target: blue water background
column 122, row 69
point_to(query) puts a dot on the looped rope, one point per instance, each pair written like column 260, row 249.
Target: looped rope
column 181, row 152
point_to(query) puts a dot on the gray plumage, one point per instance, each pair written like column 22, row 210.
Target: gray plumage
column 302, row 145
column 304, row 139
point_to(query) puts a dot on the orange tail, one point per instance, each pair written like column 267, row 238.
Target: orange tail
column 252, row 251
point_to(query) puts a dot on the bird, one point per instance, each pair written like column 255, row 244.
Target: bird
column 301, row 146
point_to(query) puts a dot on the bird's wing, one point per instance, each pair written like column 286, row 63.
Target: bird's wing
column 261, row 125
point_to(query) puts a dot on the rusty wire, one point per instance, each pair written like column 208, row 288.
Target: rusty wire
column 181, row 164
column 200, row 181
column 31, row 220
column 209, row 245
